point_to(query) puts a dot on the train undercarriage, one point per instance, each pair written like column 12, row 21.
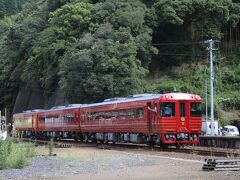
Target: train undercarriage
column 136, row 138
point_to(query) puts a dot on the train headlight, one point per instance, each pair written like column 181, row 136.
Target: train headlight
column 167, row 136
column 170, row 136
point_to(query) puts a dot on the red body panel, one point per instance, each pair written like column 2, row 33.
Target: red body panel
column 59, row 120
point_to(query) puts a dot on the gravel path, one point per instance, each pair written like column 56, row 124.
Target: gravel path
column 57, row 166
column 91, row 163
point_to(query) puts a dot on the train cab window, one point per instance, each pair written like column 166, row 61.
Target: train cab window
column 130, row 113
column 90, row 116
column 196, row 109
column 114, row 115
column 108, row 115
column 167, row 109
column 139, row 113
column 123, row 114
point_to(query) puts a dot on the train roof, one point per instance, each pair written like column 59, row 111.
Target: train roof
column 131, row 98
column 145, row 97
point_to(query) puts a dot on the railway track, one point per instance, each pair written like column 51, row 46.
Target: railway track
column 204, row 151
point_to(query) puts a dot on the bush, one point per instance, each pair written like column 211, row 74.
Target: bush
column 15, row 155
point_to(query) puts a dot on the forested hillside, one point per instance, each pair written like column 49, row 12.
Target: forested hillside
column 97, row 49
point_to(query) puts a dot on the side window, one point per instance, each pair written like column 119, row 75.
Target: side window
column 101, row 116
column 95, row 116
column 139, row 113
column 42, row 119
column 68, row 117
column 167, row 109
column 130, row 113
column 90, row 117
column 51, row 119
column 114, row 115
column 123, row 114
column 108, row 115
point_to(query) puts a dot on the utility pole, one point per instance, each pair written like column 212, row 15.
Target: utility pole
column 0, row 120
column 206, row 86
column 210, row 49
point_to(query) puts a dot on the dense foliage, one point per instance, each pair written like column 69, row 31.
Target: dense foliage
column 96, row 49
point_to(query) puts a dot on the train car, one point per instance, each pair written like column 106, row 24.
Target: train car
column 25, row 123
column 59, row 122
column 167, row 119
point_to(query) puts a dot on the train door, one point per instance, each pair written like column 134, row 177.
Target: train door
column 33, row 122
column 82, row 117
column 149, row 117
column 152, row 114
column 182, row 123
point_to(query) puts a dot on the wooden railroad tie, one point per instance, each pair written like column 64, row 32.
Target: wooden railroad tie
column 63, row 145
column 226, row 164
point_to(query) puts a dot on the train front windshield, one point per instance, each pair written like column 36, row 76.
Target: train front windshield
column 196, row 109
column 167, row 109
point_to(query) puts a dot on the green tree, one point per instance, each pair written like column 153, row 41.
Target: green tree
column 100, row 68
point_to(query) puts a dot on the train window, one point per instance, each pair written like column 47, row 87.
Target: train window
column 114, row 115
column 139, row 113
column 42, row 119
column 51, row 119
column 101, row 116
column 130, row 113
column 182, row 109
column 123, row 113
column 90, row 117
column 95, row 116
column 196, row 109
column 108, row 115
column 68, row 117
column 167, row 109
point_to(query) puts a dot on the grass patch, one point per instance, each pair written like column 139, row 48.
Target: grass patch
column 14, row 155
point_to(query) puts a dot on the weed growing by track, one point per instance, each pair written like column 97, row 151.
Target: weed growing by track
column 50, row 146
column 14, row 155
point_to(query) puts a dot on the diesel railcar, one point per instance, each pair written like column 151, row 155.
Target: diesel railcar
column 155, row 119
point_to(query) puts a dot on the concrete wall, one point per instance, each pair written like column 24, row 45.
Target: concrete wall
column 220, row 141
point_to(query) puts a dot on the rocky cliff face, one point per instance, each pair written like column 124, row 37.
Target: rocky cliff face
column 29, row 99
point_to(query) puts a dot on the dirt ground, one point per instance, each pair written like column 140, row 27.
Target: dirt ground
column 166, row 166
column 91, row 163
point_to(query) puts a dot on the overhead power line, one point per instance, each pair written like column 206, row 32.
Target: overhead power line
column 177, row 43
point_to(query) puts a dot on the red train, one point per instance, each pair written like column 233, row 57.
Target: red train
column 161, row 119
